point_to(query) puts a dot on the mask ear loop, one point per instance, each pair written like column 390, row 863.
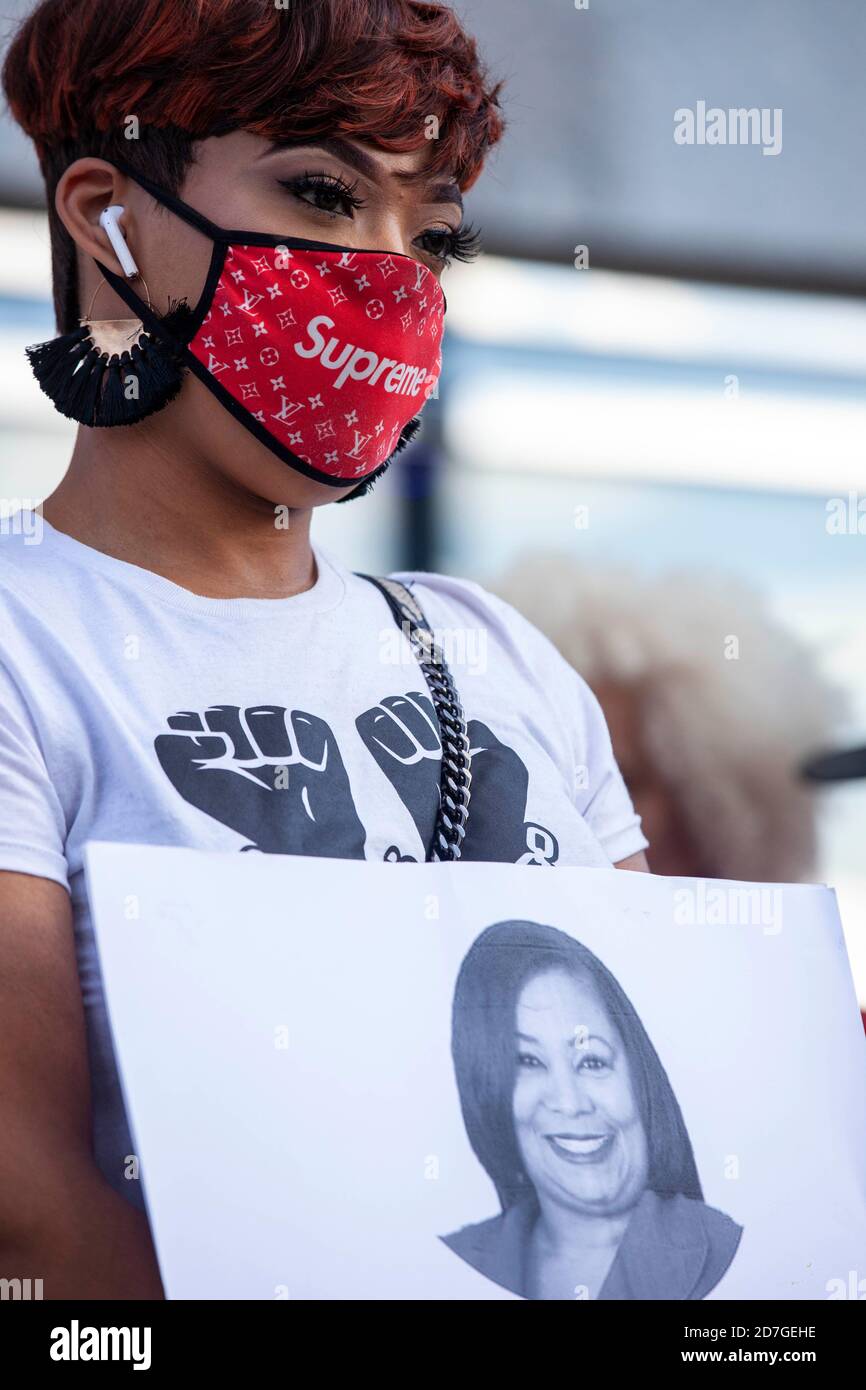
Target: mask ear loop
column 187, row 214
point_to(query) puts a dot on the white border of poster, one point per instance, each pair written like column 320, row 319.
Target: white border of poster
column 477, row 1081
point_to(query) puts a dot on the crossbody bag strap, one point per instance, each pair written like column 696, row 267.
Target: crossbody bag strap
column 455, row 779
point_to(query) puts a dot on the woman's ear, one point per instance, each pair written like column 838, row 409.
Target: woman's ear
column 83, row 193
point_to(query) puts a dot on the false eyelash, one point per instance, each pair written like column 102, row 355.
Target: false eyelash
column 465, row 243
column 331, row 183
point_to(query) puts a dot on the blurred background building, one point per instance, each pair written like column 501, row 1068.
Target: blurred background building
column 658, row 365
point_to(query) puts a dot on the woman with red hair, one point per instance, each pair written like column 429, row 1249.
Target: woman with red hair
column 251, row 206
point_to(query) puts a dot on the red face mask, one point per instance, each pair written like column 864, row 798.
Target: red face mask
column 324, row 353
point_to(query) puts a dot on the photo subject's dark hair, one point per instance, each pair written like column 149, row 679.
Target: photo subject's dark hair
column 500, row 962
column 143, row 80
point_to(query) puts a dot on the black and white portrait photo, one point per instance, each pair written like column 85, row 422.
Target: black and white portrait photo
column 569, row 1109
column 485, row 1086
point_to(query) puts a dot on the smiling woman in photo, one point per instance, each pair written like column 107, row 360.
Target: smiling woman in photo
column 569, row 1109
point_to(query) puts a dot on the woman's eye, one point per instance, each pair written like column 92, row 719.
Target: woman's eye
column 526, row 1059
column 593, row 1063
column 439, row 244
column 446, row 245
column 325, row 193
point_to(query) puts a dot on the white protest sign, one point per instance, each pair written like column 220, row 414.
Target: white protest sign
column 474, row 1081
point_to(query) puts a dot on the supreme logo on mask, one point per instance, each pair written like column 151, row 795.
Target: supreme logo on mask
column 359, row 364
column 333, row 352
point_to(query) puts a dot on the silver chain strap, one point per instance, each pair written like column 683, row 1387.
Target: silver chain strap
column 456, row 777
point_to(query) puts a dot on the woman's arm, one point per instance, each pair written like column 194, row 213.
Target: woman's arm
column 59, row 1220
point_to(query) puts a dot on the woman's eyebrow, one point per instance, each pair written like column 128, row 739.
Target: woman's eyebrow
column 582, row 1042
column 333, row 144
column 438, row 190
column 571, row 1040
column 448, row 192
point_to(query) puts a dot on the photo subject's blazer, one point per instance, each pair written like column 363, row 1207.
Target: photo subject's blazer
column 673, row 1248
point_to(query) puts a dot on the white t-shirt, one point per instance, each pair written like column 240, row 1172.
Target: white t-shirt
column 134, row 710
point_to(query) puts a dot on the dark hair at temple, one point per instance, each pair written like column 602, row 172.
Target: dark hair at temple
column 503, row 959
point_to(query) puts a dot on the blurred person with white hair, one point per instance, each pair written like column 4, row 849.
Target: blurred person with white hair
column 711, row 704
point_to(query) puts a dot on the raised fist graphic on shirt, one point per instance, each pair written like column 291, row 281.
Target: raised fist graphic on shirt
column 273, row 775
column 402, row 733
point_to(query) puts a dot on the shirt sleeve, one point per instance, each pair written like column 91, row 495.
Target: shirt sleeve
column 598, row 789
column 32, row 823
column 606, row 805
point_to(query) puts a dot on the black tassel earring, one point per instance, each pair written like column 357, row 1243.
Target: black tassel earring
column 113, row 371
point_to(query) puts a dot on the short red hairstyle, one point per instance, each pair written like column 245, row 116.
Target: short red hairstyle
column 370, row 69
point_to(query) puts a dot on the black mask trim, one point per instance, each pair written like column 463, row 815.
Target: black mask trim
column 157, row 326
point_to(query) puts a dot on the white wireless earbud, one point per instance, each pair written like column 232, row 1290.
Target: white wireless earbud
column 108, row 220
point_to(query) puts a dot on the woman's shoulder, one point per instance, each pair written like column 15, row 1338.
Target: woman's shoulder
column 28, row 585
column 497, row 1247
column 20, row 547
column 33, row 567
column 524, row 676
column 477, row 1237
column 692, row 1211
column 510, row 1226
column 454, row 605
column 688, row 1221
column 450, row 591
